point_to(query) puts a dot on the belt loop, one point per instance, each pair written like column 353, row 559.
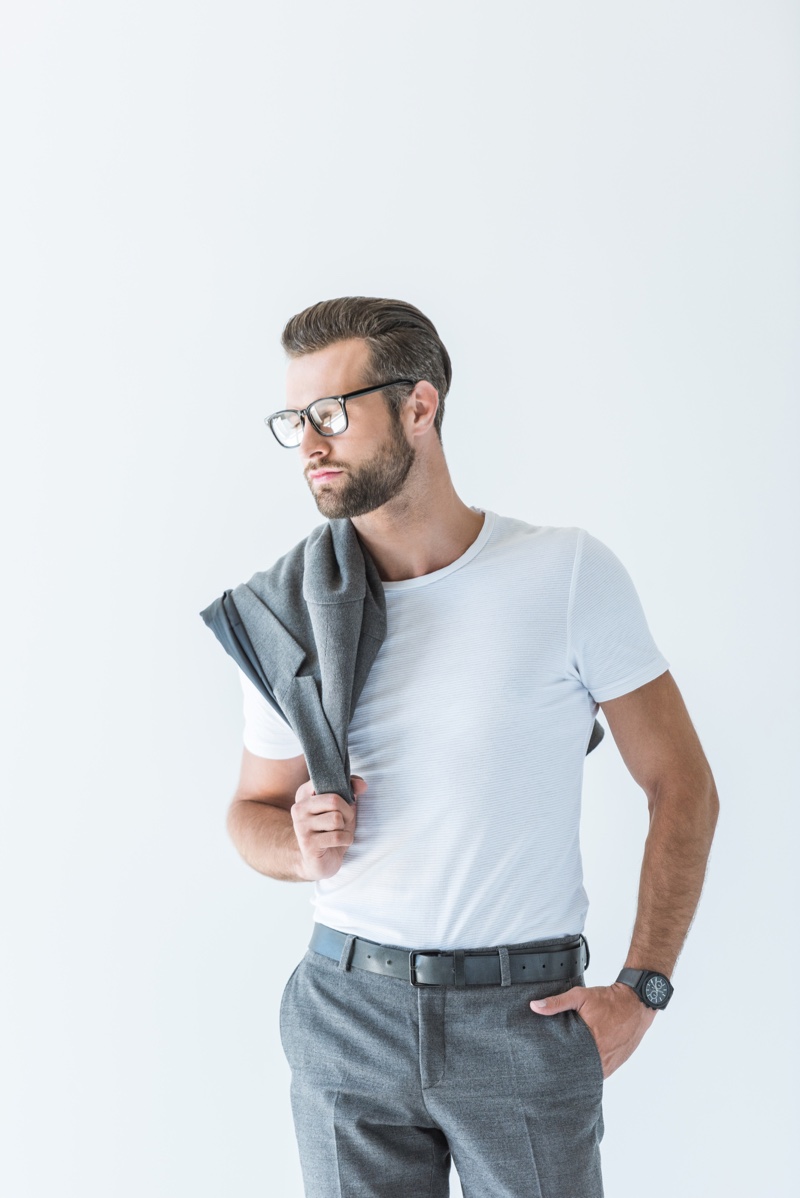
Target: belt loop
column 459, row 977
column 505, row 966
column 586, row 946
column 347, row 951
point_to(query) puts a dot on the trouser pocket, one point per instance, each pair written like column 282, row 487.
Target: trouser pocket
column 315, row 1020
column 282, row 1010
column 591, row 1045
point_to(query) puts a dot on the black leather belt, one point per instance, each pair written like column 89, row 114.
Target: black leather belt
column 428, row 967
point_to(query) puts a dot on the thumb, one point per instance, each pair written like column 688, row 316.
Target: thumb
column 569, row 1000
column 358, row 784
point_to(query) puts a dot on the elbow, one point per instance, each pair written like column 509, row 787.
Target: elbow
column 713, row 804
column 705, row 809
column 690, row 800
column 233, row 822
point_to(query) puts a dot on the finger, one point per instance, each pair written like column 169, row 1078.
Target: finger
column 315, row 804
column 569, row 1000
column 328, row 821
column 318, row 843
column 304, row 792
column 306, row 824
column 358, row 784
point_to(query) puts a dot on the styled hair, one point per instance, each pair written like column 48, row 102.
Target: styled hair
column 403, row 342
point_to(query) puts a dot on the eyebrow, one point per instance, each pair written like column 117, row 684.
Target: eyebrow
column 330, row 395
column 308, row 405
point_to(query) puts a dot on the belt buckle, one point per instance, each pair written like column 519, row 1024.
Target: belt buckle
column 412, row 971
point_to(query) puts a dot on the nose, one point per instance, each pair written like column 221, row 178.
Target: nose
column 312, row 443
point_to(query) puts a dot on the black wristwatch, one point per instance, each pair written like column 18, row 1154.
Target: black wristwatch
column 653, row 988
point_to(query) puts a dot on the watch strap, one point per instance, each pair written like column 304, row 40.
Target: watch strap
column 631, row 977
column 638, row 980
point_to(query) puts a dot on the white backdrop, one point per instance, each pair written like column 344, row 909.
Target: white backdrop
column 597, row 205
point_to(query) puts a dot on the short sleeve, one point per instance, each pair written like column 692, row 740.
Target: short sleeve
column 610, row 648
column 265, row 733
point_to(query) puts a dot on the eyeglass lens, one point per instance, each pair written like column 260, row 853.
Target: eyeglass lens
column 327, row 415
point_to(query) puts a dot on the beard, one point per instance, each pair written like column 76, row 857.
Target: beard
column 369, row 486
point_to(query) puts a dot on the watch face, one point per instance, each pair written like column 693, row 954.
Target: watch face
column 656, row 990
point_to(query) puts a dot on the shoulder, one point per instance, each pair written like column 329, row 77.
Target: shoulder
column 544, row 542
column 564, row 545
column 286, row 572
column 596, row 561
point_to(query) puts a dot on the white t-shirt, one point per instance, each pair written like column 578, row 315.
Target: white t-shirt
column 471, row 732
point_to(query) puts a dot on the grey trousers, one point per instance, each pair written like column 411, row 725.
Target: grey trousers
column 391, row 1081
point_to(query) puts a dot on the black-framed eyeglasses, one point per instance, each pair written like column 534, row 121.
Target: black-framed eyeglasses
column 328, row 415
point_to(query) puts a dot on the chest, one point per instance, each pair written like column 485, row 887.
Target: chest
column 478, row 660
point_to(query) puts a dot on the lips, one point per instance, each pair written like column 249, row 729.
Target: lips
column 321, row 475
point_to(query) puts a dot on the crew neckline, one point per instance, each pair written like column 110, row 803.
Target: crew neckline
column 407, row 584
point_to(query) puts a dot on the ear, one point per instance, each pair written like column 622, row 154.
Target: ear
column 423, row 404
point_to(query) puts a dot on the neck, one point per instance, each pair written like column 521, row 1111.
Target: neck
column 425, row 528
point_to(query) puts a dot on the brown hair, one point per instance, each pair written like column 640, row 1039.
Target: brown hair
column 403, row 342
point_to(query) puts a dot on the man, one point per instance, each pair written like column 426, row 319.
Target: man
column 440, row 1011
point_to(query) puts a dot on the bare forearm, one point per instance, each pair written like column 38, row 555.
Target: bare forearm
column 265, row 838
column 682, row 823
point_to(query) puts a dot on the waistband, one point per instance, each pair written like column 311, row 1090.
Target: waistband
column 499, row 966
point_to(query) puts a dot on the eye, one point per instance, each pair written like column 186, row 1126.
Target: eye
column 329, row 415
column 288, row 427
